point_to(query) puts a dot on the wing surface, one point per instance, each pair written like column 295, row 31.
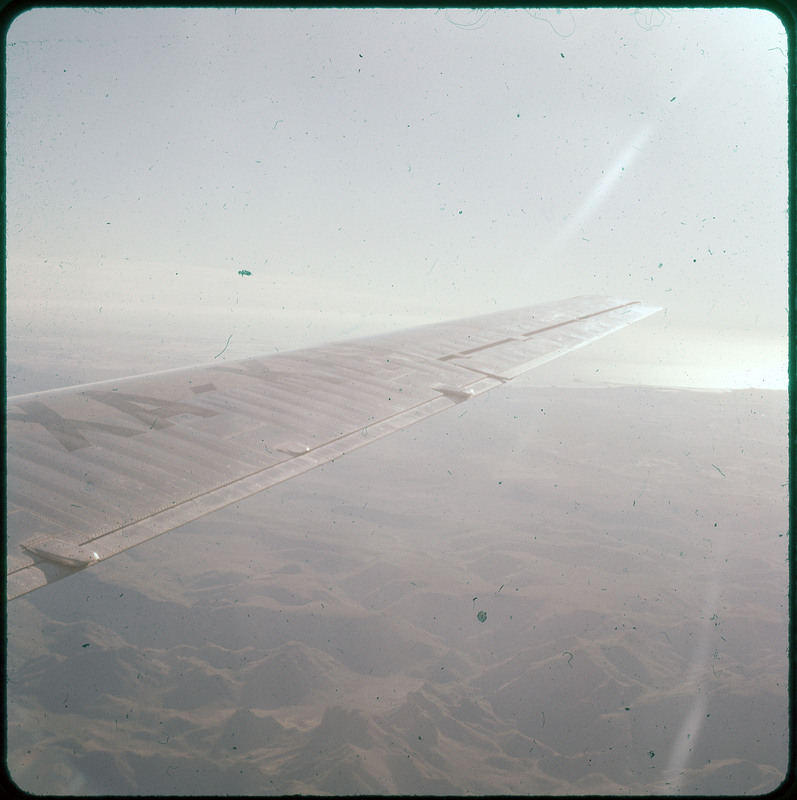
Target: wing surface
column 97, row 469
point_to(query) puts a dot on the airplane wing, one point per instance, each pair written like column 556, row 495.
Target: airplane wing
column 96, row 469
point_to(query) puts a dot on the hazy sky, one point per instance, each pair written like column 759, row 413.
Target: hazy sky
column 379, row 168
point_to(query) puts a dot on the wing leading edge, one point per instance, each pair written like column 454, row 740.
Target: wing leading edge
column 97, row 469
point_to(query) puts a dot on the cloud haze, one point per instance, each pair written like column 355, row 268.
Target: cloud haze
column 373, row 169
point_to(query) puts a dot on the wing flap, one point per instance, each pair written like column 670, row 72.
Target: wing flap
column 102, row 468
